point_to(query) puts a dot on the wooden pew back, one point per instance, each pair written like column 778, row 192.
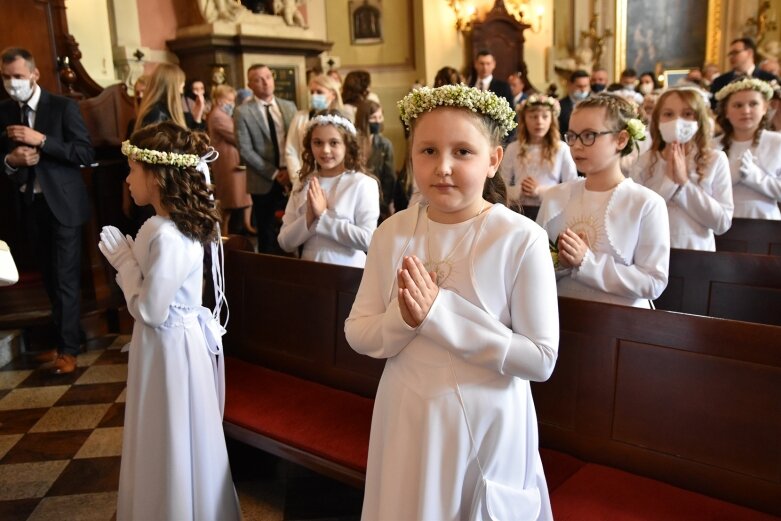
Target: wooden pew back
column 288, row 315
column 737, row 286
column 751, row 236
column 693, row 401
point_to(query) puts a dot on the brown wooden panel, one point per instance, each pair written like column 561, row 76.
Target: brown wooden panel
column 711, row 410
column 751, row 236
column 744, row 302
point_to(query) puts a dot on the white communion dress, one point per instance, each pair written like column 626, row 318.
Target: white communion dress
column 454, row 430
column 174, row 458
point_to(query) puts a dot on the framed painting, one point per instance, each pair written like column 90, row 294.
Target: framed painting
column 673, row 76
column 365, row 21
column 666, row 34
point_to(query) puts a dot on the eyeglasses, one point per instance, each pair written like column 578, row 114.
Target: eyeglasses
column 735, row 52
column 587, row 137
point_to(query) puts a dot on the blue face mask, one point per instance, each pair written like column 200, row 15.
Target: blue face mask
column 579, row 95
column 319, row 101
column 228, row 109
column 375, row 127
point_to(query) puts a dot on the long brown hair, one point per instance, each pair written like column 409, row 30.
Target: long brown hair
column 701, row 140
column 726, row 126
column 183, row 190
column 551, row 141
column 353, row 160
column 163, row 87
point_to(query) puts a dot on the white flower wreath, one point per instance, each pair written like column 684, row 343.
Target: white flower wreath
column 426, row 99
column 156, row 157
column 545, row 101
column 758, row 85
column 332, row 119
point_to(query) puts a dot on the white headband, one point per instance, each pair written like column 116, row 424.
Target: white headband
column 332, row 119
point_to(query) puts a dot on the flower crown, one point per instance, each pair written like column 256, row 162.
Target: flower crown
column 544, row 101
column 426, row 99
column 636, row 129
column 758, row 85
column 332, row 119
column 156, row 157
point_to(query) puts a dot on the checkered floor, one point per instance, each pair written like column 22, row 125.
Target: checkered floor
column 61, row 439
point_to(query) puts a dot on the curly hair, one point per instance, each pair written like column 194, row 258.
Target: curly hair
column 702, row 139
column 551, row 142
column 353, row 159
column 618, row 112
column 183, row 190
column 448, row 76
column 729, row 130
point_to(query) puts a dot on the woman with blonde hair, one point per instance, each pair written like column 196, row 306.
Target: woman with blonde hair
column 230, row 179
column 324, row 95
column 163, row 100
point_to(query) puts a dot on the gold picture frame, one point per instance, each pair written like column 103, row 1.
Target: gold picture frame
column 712, row 36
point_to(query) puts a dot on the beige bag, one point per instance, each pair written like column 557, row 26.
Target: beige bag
column 8, row 273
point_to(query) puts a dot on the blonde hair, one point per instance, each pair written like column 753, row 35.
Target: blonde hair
column 332, row 86
column 551, row 141
column 701, row 139
column 163, row 87
column 221, row 91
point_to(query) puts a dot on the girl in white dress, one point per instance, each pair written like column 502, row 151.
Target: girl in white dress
column 686, row 171
column 174, row 458
column 754, row 158
column 334, row 211
column 538, row 159
column 612, row 234
column 459, row 296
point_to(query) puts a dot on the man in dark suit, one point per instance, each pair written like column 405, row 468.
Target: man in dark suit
column 484, row 77
column 578, row 89
column 261, row 128
column 742, row 59
column 43, row 142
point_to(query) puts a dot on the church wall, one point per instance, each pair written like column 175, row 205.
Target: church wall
column 88, row 23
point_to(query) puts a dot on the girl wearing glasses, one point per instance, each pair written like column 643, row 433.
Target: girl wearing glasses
column 612, row 234
column 538, row 159
column 682, row 167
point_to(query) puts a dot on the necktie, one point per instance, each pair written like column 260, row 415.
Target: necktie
column 272, row 129
column 29, row 189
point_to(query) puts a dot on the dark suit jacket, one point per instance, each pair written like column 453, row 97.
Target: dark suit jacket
column 500, row 88
column 67, row 146
column 254, row 140
column 723, row 79
column 564, row 115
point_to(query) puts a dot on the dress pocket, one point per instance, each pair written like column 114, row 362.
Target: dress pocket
column 502, row 503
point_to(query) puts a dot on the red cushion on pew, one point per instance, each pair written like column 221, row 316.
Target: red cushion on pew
column 327, row 422
column 597, row 493
column 558, row 467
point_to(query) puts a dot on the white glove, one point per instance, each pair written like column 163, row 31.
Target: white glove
column 748, row 168
column 115, row 246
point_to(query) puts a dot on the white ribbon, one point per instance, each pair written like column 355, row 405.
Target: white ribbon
column 212, row 332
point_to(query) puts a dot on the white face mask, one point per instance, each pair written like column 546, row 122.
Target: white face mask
column 680, row 130
column 19, row 89
column 646, row 88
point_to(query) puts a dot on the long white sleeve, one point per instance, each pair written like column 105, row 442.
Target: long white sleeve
column 763, row 182
column 294, row 231
column 529, row 348
column 711, row 208
column 647, row 276
column 353, row 229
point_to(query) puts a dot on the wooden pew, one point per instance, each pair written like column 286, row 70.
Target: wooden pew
column 690, row 402
column 751, row 236
column 737, row 286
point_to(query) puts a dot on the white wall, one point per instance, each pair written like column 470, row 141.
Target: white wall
column 88, row 22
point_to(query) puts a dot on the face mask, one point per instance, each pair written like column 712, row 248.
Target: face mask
column 19, row 89
column 597, row 87
column 628, row 86
column 228, row 109
column 679, row 130
column 319, row 101
column 374, row 127
column 646, row 88
column 579, row 95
